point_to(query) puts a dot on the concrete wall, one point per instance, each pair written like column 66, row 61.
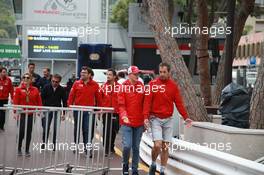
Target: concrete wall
column 246, row 143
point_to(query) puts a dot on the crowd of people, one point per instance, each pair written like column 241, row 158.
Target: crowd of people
column 134, row 111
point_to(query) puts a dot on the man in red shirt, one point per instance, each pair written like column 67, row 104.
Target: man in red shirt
column 84, row 92
column 6, row 89
column 108, row 94
column 158, row 108
column 130, row 101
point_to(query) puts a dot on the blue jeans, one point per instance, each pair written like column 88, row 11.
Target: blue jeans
column 131, row 137
column 86, row 119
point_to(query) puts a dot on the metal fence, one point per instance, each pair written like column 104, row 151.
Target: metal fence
column 47, row 140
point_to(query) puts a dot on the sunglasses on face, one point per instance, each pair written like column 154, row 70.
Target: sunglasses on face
column 26, row 77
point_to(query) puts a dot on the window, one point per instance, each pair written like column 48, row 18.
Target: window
column 254, row 49
column 248, row 50
column 103, row 8
column 244, row 51
column 238, row 52
column 17, row 6
column 258, row 49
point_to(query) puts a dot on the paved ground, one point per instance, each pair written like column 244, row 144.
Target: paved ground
column 48, row 158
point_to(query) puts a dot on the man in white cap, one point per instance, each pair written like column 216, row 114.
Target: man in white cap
column 130, row 103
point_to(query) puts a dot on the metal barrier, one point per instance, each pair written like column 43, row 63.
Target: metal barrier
column 190, row 158
column 47, row 140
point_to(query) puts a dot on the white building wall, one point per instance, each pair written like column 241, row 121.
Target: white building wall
column 118, row 36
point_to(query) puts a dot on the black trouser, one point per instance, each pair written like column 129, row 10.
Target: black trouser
column 22, row 129
column 2, row 113
column 85, row 118
column 115, row 128
column 47, row 128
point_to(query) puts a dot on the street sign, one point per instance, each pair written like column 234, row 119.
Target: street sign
column 59, row 11
column 64, row 47
column 10, row 51
column 252, row 60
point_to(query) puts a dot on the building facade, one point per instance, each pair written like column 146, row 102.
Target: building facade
column 87, row 20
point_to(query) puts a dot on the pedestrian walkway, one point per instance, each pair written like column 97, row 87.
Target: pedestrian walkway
column 48, row 157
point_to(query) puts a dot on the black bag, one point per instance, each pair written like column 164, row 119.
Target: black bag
column 235, row 106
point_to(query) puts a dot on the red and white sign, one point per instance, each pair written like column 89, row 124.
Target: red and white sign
column 68, row 11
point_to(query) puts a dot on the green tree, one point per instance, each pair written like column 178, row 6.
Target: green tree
column 120, row 12
column 247, row 29
column 169, row 50
column 7, row 20
column 243, row 9
column 3, row 33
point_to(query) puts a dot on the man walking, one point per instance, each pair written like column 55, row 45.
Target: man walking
column 46, row 79
column 35, row 77
column 84, row 92
column 158, row 109
column 6, row 89
column 108, row 93
column 52, row 95
column 130, row 101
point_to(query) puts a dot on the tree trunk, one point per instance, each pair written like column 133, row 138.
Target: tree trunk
column 245, row 9
column 256, row 104
column 212, row 13
column 192, row 61
column 202, row 52
column 171, row 10
column 171, row 54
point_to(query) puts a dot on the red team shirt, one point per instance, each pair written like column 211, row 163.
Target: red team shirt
column 130, row 104
column 161, row 102
column 30, row 97
column 6, row 88
column 109, row 94
column 84, row 94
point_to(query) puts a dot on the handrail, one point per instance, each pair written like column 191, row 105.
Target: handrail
column 71, row 108
column 196, row 159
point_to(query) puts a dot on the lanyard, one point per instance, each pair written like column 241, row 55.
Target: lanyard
column 27, row 94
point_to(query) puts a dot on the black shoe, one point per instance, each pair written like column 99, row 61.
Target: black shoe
column 135, row 173
column 89, row 153
column 19, row 153
column 69, row 169
column 152, row 169
column 27, row 154
column 43, row 146
column 125, row 169
column 162, row 173
column 113, row 151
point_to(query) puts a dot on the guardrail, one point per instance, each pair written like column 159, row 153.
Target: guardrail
column 190, row 158
column 26, row 147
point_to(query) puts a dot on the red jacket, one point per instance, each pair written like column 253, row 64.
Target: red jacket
column 24, row 97
column 160, row 102
column 108, row 95
column 130, row 102
column 84, row 94
column 6, row 88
